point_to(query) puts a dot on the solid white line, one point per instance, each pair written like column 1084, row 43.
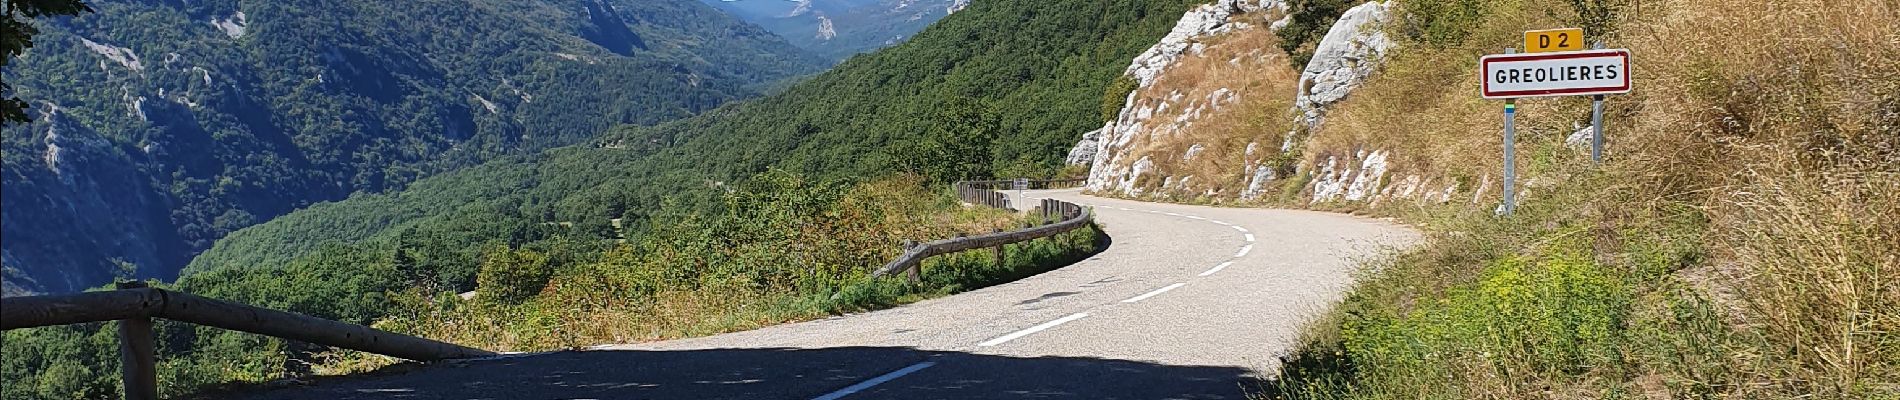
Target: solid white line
column 1033, row 329
column 1145, row 296
column 1249, row 237
column 1243, row 251
column 841, row 393
column 1217, row 268
column 1238, row 228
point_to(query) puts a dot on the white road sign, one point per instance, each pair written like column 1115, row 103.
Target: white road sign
column 1570, row 73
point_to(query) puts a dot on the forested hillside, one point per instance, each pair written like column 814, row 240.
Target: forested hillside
column 965, row 99
column 160, row 127
column 839, row 29
column 756, row 212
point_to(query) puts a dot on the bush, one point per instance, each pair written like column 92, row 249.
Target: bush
column 510, row 276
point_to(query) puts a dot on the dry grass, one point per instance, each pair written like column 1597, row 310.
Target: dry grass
column 1246, row 63
column 1745, row 210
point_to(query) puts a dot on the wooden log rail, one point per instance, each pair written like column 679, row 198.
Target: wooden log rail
column 1068, row 217
column 134, row 306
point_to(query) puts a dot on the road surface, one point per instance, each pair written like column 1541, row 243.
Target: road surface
column 1188, row 302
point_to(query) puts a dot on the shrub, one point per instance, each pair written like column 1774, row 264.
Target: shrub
column 510, row 276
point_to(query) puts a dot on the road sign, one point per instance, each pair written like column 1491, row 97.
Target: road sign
column 1572, row 73
column 1550, row 40
column 1022, row 184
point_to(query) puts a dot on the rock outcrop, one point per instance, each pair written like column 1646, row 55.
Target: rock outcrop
column 1349, row 53
column 1200, row 22
column 1110, row 165
column 1084, row 151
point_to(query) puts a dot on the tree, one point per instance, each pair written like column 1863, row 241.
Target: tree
column 16, row 35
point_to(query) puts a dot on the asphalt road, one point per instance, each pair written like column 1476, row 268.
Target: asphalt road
column 1188, row 302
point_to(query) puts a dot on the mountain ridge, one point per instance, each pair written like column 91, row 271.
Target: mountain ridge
column 160, row 127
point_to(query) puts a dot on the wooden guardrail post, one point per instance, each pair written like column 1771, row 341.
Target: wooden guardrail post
column 138, row 362
column 998, row 250
column 916, row 272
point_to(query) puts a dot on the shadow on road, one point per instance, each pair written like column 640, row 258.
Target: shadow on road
column 775, row 374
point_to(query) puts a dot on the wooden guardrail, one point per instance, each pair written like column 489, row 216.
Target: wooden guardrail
column 1067, row 217
column 134, row 306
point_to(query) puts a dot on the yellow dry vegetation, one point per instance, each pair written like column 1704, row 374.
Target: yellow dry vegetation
column 1246, row 63
column 1738, row 243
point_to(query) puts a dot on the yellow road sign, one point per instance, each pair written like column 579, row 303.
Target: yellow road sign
column 1567, row 39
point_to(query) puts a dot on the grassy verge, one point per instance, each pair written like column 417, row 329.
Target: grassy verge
column 1737, row 245
column 567, row 317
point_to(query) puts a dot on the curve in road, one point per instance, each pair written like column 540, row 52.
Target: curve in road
column 1188, row 302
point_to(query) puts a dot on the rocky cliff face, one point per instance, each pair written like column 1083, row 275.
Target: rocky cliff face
column 1115, row 167
column 1195, row 128
column 838, row 29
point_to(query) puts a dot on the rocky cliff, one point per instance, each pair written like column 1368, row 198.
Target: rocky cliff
column 1218, row 114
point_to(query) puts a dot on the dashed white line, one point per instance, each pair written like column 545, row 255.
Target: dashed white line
column 1239, row 228
column 1033, row 329
column 1249, row 237
column 1243, row 251
column 847, row 391
column 1157, row 292
column 1217, row 268
column 1196, row 217
column 1221, row 222
column 1172, row 214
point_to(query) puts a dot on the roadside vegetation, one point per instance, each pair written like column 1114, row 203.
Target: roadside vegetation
column 1737, row 244
column 781, row 248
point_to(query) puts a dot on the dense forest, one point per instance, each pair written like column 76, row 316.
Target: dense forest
column 783, row 202
column 159, row 127
column 963, row 100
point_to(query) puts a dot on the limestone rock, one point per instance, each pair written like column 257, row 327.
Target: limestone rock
column 1084, row 151
column 1348, row 54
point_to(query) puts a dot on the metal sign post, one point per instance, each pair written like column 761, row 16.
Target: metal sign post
column 1596, row 123
column 1510, row 153
column 1550, row 69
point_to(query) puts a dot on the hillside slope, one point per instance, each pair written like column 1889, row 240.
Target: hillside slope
column 1003, row 91
column 162, row 126
column 1734, row 242
column 753, row 213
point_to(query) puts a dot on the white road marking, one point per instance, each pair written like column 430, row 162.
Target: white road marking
column 1196, row 217
column 1249, row 237
column 1239, row 228
column 1173, row 214
column 847, row 391
column 1033, row 329
column 1221, row 222
column 1145, row 296
column 1217, row 268
column 1243, row 251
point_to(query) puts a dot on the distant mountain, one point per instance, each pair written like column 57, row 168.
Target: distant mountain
column 160, row 126
column 839, row 29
